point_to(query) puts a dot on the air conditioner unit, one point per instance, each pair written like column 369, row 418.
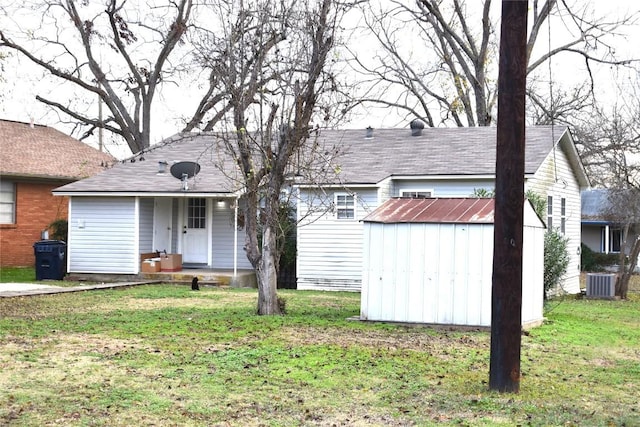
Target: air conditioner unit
column 601, row 285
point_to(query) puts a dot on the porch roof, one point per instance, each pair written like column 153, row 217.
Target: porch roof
column 139, row 174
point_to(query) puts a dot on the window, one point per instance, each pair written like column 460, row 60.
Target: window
column 345, row 206
column 614, row 240
column 7, row 202
column 420, row 194
column 197, row 213
column 563, row 215
column 549, row 212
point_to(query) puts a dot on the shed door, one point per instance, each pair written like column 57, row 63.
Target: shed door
column 194, row 231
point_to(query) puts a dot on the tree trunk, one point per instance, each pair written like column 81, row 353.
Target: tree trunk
column 267, row 275
column 624, row 274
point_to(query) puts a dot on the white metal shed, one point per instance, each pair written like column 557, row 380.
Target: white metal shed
column 430, row 261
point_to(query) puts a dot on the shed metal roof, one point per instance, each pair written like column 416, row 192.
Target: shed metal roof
column 439, row 210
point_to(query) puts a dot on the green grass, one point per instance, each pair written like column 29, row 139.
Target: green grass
column 28, row 275
column 164, row 355
column 17, row 274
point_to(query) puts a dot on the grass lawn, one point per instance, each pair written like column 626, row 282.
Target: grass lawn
column 164, row 355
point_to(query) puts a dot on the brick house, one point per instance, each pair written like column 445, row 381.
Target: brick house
column 34, row 159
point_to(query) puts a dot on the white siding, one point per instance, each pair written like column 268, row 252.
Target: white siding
column 330, row 249
column 441, row 273
column 103, row 235
column 442, row 188
column 222, row 236
column 145, row 242
column 556, row 178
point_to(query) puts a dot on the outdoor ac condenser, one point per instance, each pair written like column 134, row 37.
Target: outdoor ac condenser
column 601, row 285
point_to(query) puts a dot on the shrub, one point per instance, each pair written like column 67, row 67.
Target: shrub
column 556, row 259
column 595, row 261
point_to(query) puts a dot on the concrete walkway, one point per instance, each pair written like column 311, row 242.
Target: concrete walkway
column 9, row 290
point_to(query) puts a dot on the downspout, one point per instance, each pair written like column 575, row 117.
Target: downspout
column 235, row 239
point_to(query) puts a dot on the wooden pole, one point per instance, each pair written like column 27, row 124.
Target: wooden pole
column 506, row 298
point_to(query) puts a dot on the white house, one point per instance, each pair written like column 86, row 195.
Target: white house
column 431, row 261
column 138, row 206
column 436, row 162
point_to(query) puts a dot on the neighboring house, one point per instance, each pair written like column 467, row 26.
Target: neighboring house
column 431, row 261
column 600, row 232
column 436, row 162
column 35, row 159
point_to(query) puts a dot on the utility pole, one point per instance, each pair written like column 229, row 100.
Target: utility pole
column 506, row 297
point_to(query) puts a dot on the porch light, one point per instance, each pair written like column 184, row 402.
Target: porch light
column 221, row 203
column 162, row 166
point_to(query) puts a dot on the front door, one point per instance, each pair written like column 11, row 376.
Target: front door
column 194, row 232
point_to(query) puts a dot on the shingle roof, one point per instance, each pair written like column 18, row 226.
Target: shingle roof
column 438, row 151
column 38, row 151
column 391, row 152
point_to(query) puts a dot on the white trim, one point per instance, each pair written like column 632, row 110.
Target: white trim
column 136, row 232
column 340, row 186
column 421, row 190
column 139, row 194
column 354, row 198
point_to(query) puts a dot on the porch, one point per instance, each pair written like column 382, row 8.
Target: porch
column 206, row 276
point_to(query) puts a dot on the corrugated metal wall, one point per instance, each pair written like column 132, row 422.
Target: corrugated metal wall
column 440, row 273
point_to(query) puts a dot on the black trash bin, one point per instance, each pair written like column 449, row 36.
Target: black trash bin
column 51, row 259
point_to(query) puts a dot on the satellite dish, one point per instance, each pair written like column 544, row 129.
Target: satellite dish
column 182, row 170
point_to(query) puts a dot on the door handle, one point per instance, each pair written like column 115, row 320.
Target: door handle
column 184, row 231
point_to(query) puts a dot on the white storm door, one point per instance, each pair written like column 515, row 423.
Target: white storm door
column 162, row 225
column 194, row 232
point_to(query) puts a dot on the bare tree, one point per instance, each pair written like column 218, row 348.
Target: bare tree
column 446, row 72
column 113, row 50
column 269, row 80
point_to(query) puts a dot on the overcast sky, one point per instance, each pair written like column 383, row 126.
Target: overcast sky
column 22, row 83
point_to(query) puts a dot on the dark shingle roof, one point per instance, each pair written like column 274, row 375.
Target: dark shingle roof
column 594, row 204
column 38, row 151
column 391, row 152
column 438, row 151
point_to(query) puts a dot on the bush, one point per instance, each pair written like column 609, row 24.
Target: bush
column 595, row 261
column 556, row 259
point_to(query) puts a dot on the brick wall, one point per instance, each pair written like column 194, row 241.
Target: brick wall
column 36, row 208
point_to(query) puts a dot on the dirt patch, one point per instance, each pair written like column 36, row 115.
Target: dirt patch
column 440, row 342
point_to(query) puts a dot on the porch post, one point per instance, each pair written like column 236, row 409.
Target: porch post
column 235, row 239
column 606, row 239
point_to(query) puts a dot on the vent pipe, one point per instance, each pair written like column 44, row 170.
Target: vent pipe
column 416, row 127
column 369, row 133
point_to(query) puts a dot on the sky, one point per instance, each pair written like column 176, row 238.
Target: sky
column 21, row 84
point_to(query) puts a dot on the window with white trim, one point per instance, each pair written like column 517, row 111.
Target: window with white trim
column 345, row 206
column 416, row 194
column 614, row 240
column 7, row 202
